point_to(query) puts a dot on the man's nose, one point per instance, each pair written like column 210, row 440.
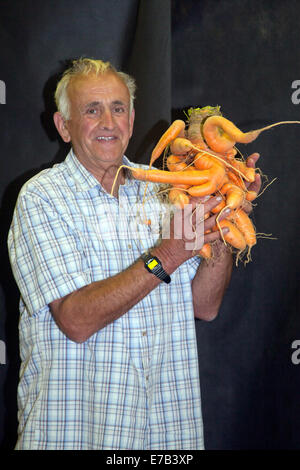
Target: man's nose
column 107, row 120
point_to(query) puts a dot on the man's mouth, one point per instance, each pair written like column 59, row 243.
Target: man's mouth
column 106, row 138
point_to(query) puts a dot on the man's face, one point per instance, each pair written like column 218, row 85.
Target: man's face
column 100, row 123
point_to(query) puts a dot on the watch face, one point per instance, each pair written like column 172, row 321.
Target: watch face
column 152, row 264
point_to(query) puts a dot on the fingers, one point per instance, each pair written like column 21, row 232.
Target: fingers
column 256, row 185
column 247, row 207
column 251, row 162
column 210, row 222
column 208, row 202
column 213, row 236
column 252, row 159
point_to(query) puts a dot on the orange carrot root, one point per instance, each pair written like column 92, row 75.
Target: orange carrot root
column 206, row 251
column 190, row 177
column 176, row 128
column 234, row 237
column 178, row 198
column 181, row 146
column 221, row 134
column 175, row 163
column 245, row 225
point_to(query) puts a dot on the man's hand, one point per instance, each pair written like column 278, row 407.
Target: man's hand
column 188, row 231
column 255, row 185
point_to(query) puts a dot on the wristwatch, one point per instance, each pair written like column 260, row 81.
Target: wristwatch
column 154, row 266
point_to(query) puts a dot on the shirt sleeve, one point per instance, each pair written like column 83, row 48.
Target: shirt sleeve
column 192, row 265
column 47, row 257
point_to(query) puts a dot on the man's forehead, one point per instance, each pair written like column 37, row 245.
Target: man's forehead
column 98, row 84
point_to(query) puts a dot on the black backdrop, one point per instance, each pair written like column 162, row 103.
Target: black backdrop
column 243, row 55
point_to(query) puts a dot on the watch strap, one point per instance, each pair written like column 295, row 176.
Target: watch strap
column 154, row 266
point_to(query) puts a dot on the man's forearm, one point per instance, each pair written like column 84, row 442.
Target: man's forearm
column 89, row 309
column 210, row 283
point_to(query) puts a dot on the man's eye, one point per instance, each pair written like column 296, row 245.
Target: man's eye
column 119, row 110
column 92, row 111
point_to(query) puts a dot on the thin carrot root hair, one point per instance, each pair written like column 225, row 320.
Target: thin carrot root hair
column 116, row 177
column 266, row 235
column 264, row 189
column 275, row 124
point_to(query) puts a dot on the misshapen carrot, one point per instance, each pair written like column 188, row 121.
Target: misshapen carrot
column 217, row 174
column 204, row 189
column 234, row 195
column 178, row 198
column 234, row 237
column 247, row 172
column 251, row 195
column 176, row 128
column 236, row 179
column 175, row 163
column 216, row 167
column 245, row 225
column 206, row 251
column 181, row 146
column 190, row 177
column 196, row 117
column 219, row 207
column 221, row 134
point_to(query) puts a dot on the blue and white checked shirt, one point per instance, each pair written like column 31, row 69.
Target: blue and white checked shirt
column 135, row 383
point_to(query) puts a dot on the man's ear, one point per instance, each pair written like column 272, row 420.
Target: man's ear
column 131, row 121
column 60, row 125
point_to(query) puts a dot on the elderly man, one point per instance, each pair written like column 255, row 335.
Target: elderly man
column 107, row 333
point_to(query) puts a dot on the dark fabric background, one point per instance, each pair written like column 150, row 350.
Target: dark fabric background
column 243, row 55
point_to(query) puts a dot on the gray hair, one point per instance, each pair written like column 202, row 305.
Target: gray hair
column 85, row 66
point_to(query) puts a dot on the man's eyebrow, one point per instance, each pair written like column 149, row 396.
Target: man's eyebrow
column 118, row 102
column 97, row 103
column 93, row 103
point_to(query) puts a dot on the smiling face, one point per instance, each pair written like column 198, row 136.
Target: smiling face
column 100, row 123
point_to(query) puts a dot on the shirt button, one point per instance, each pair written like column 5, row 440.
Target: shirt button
column 129, row 246
column 144, row 333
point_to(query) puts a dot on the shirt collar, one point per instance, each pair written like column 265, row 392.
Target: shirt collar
column 85, row 180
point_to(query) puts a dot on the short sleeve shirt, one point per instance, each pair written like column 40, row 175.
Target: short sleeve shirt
column 133, row 384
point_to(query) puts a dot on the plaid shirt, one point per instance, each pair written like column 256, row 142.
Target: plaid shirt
column 135, row 383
